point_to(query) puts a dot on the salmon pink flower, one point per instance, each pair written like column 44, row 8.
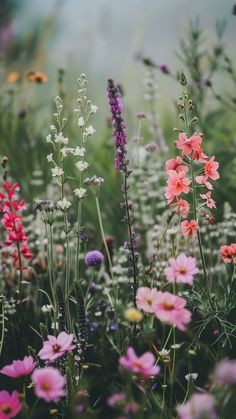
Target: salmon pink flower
column 202, row 180
column 176, row 164
column 54, row 347
column 228, row 253
column 210, row 203
column 200, row 156
column 19, row 368
column 187, row 145
column 49, row 384
column 211, row 169
column 10, row 404
column 177, row 182
column 189, row 228
column 181, row 270
column 169, row 308
column 145, row 298
column 181, row 206
column 143, row 365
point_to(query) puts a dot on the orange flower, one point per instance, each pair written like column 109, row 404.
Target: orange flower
column 13, row 77
column 37, row 76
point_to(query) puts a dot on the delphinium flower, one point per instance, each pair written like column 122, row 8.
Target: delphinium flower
column 181, row 270
column 143, row 365
column 228, row 253
column 16, row 239
column 199, row 406
column 48, row 384
column 19, row 368
column 55, row 347
column 121, row 164
column 10, row 404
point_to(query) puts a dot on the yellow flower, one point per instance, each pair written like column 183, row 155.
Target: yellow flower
column 133, row 315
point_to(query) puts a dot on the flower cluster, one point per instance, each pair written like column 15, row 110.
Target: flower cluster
column 228, row 253
column 116, row 105
column 12, row 222
column 167, row 307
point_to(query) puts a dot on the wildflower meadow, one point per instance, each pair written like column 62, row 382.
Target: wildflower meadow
column 117, row 230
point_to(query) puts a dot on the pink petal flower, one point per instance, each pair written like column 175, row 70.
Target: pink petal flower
column 145, row 298
column 10, row 404
column 54, row 347
column 143, row 365
column 181, row 270
column 49, row 384
column 199, row 406
column 169, row 308
column 19, row 368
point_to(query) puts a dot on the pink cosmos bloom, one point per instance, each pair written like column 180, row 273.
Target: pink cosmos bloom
column 181, row 270
column 19, row 368
column 48, row 383
column 177, row 183
column 187, row 145
column 225, row 372
column 10, row 404
column 228, row 253
column 176, row 164
column 181, row 206
column 143, row 365
column 169, row 308
column 199, row 406
column 211, row 169
column 145, row 298
column 210, row 203
column 189, row 228
column 54, row 347
column 202, row 180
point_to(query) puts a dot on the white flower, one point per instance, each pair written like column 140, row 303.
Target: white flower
column 52, row 127
column 79, row 151
column 59, row 138
column 80, row 192
column 90, row 130
column 50, row 157
column 57, row 171
column 81, row 121
column 66, row 150
column 192, row 376
column 49, row 138
column 94, row 109
column 47, row 308
column 82, row 165
column 64, row 204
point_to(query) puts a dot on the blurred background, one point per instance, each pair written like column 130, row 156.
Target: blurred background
column 125, row 40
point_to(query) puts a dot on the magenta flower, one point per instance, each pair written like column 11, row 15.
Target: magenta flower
column 225, row 372
column 145, row 298
column 199, row 406
column 10, row 404
column 143, row 365
column 169, row 308
column 49, row 384
column 116, row 399
column 19, row 368
column 181, row 270
column 54, row 347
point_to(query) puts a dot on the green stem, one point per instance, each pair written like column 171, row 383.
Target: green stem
column 3, row 328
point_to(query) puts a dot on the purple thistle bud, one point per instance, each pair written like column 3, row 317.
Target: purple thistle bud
column 94, row 258
column 164, row 68
column 119, row 133
column 22, row 113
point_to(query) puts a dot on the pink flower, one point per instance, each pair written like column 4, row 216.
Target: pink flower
column 145, row 298
column 116, row 399
column 169, row 308
column 181, row 270
column 176, row 164
column 211, row 168
column 54, row 347
column 189, row 228
column 228, row 253
column 176, row 184
column 187, row 145
column 19, row 368
column 209, row 201
column 143, row 365
column 225, row 372
column 10, row 404
column 181, row 206
column 199, row 155
column 202, row 180
column 199, row 406
column 48, row 383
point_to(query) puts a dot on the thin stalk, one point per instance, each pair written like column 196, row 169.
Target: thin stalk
column 3, row 328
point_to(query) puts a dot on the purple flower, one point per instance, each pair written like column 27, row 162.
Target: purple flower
column 94, row 258
column 22, row 113
column 164, row 68
column 119, row 133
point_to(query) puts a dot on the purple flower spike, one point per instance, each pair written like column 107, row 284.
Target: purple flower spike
column 94, row 258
